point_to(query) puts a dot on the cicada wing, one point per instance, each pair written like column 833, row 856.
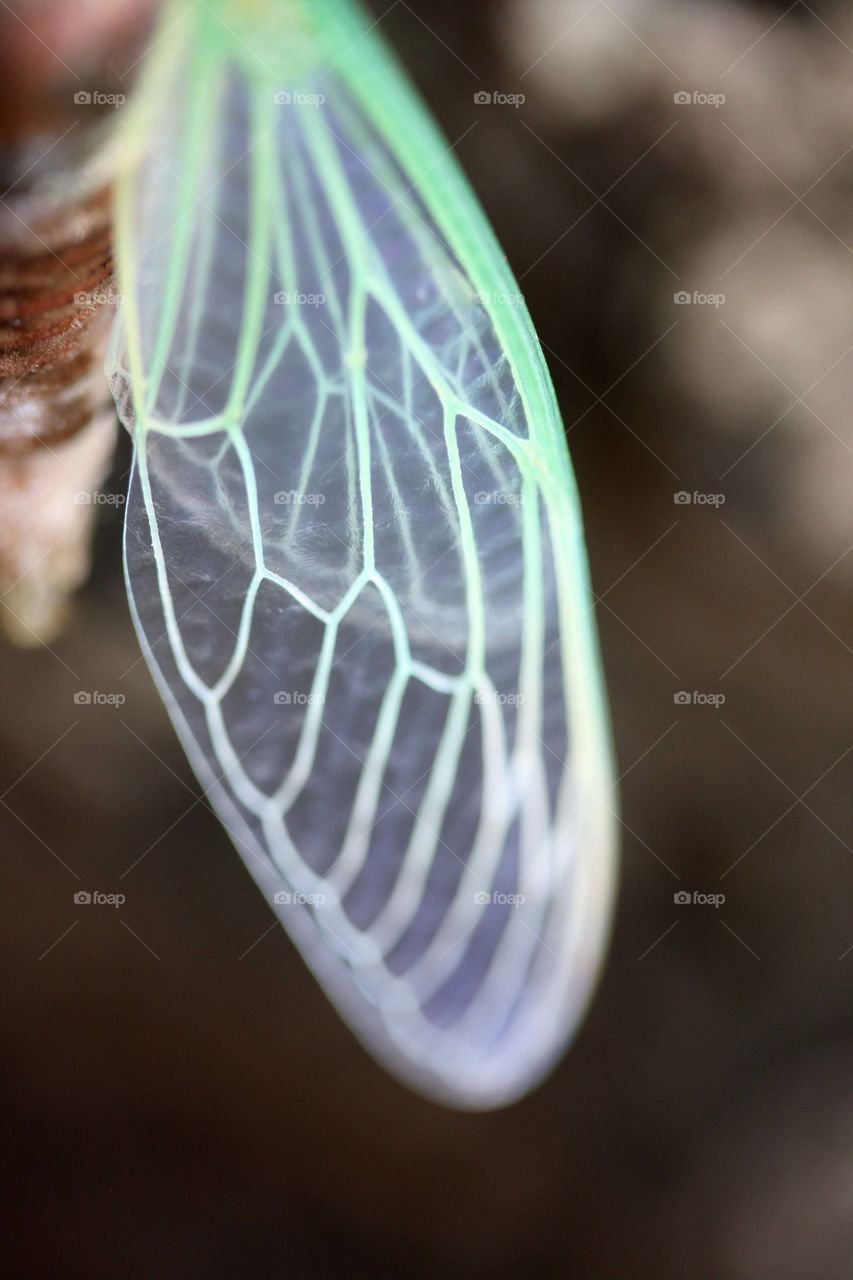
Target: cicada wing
column 355, row 560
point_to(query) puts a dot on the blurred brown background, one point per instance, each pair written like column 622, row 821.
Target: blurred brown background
column 180, row 1100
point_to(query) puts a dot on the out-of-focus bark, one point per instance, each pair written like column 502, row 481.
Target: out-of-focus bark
column 65, row 71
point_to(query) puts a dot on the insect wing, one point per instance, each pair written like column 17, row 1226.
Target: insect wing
column 354, row 553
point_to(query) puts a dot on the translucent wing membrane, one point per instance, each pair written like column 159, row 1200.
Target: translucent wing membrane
column 353, row 549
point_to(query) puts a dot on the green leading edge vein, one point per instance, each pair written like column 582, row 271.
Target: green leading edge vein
column 248, row 199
